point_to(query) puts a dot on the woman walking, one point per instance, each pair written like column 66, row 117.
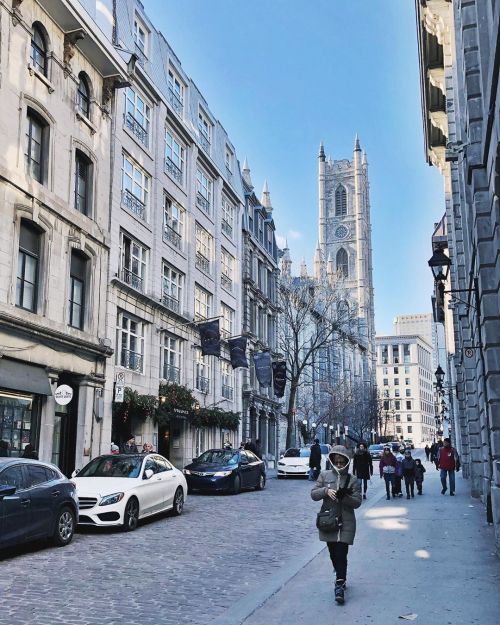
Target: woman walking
column 362, row 467
column 408, row 467
column 387, row 467
column 340, row 493
column 419, row 475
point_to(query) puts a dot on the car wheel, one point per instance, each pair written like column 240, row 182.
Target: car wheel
column 261, row 484
column 178, row 502
column 131, row 515
column 65, row 527
column 236, row 487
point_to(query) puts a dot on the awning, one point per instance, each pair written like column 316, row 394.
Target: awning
column 20, row 376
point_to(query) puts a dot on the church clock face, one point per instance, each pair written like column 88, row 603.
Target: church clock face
column 341, row 232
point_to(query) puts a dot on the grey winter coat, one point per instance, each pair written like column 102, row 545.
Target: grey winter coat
column 334, row 479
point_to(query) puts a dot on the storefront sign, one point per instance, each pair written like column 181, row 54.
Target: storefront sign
column 63, row 394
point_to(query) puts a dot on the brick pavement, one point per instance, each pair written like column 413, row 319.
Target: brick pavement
column 171, row 571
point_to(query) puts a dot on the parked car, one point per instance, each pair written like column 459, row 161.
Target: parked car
column 409, row 443
column 121, row 489
column 226, row 471
column 36, row 501
column 376, row 451
column 295, row 461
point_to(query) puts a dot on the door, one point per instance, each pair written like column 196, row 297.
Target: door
column 44, row 500
column 15, row 509
column 164, row 440
column 246, row 470
column 151, row 490
column 169, row 481
column 65, row 427
column 255, row 468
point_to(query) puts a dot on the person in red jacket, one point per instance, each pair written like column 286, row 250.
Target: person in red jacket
column 387, row 467
column 448, row 463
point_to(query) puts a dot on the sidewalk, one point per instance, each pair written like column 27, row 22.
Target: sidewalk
column 431, row 556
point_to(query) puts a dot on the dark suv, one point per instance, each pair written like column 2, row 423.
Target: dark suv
column 36, row 501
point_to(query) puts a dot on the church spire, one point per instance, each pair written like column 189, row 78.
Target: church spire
column 319, row 264
column 286, row 262
column 303, row 268
column 265, row 199
column 356, row 144
column 321, row 154
column 245, row 174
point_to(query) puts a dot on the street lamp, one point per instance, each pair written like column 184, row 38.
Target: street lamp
column 439, row 374
column 331, row 434
column 440, row 265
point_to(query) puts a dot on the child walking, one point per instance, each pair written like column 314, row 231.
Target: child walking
column 419, row 475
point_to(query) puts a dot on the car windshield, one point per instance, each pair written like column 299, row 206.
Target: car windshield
column 324, row 449
column 218, row 456
column 375, row 448
column 303, row 452
column 113, row 466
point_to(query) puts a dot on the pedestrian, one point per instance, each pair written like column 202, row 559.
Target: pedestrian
column 242, row 445
column 387, row 467
column 419, row 475
column 362, row 467
column 250, row 446
column 435, row 454
column 314, row 461
column 398, row 475
column 30, row 452
column 408, row 468
column 147, row 448
column 129, row 447
column 427, row 451
column 448, row 462
column 340, row 493
column 4, row 449
column 114, row 449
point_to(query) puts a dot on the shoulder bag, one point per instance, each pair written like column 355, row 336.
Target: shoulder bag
column 328, row 520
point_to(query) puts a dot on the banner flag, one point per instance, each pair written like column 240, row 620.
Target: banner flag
column 210, row 338
column 279, row 377
column 238, row 352
column 263, row 370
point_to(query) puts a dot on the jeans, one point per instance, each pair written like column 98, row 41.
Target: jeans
column 389, row 480
column 313, row 474
column 451, row 474
column 410, row 486
column 338, row 556
column 363, row 481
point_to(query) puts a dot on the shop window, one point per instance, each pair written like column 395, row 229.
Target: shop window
column 28, row 266
column 19, row 421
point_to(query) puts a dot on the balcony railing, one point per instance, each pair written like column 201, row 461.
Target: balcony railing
column 202, row 202
column 171, row 373
column 132, row 279
column 227, row 392
column 172, row 236
column 133, row 203
column 170, row 302
column 202, row 384
column 202, row 262
column 131, row 360
column 173, row 170
column 226, row 282
column 204, row 142
column 138, row 129
column 227, row 228
column 176, row 103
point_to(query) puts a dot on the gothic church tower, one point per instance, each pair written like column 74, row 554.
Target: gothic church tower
column 344, row 249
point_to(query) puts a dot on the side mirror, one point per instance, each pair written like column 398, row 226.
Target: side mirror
column 75, row 472
column 6, row 491
column 282, row 456
column 148, row 473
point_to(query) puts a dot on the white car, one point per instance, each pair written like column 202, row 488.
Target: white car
column 295, row 461
column 121, row 489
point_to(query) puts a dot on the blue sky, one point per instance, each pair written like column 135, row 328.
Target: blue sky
column 283, row 75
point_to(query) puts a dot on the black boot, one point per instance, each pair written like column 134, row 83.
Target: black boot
column 339, row 590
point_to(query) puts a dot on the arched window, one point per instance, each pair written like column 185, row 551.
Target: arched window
column 340, row 201
column 83, row 96
column 342, row 263
column 39, row 50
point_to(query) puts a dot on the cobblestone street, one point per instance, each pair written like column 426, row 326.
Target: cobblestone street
column 171, row 570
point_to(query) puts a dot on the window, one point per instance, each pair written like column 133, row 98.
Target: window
column 397, row 404
column 227, row 217
column 133, row 262
column 13, row 476
column 395, row 353
column 227, row 378
column 398, row 429
column 205, row 128
column 407, row 369
column 83, row 96
column 135, row 187
column 77, row 279
column 173, row 229
column 140, row 36
column 175, row 92
column 172, row 358
column 204, row 245
column 397, row 393
column 175, row 157
column 342, row 263
column 83, row 183
column 408, row 392
column 137, row 116
column 396, row 381
column 227, row 270
column 202, row 303
column 173, row 281
column 37, row 136
column 406, row 352
column 340, row 201
column 407, row 381
column 385, row 370
column 227, row 326
column 202, row 372
column 130, row 343
column 228, row 159
column 203, row 191
column 410, row 429
column 269, row 239
column 386, row 382
column 398, row 418
column 260, row 228
column 408, row 417
column 28, row 266
column 38, row 56
column 396, row 370
column 385, row 355
column 408, row 405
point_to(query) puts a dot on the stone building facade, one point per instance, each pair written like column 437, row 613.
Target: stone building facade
column 459, row 68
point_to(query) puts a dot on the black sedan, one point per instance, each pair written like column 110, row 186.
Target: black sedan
column 36, row 501
column 226, row 471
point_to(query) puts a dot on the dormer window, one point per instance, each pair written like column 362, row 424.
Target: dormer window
column 175, row 92
column 205, row 128
column 140, row 39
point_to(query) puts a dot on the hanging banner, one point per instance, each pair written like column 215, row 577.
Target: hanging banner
column 279, row 377
column 210, row 338
column 263, row 370
column 238, row 352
